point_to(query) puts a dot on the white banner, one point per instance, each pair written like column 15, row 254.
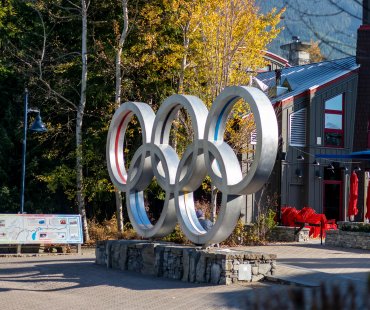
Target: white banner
column 40, row 228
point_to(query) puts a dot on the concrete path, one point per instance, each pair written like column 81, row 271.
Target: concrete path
column 75, row 282
column 313, row 263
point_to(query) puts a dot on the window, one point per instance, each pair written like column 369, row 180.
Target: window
column 333, row 131
column 297, row 128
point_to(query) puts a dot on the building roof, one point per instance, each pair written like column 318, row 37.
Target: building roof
column 308, row 77
column 276, row 59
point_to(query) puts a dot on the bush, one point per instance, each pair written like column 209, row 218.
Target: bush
column 360, row 227
column 252, row 234
column 177, row 236
column 107, row 230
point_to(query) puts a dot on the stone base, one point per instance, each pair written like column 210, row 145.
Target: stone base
column 289, row 234
column 186, row 263
column 348, row 239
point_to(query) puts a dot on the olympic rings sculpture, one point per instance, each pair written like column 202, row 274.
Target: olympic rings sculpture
column 207, row 154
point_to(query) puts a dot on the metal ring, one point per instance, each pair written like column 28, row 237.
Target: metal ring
column 207, row 154
column 267, row 134
column 116, row 136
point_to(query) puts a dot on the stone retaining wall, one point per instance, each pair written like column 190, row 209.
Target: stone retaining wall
column 289, row 234
column 186, row 263
column 348, row 239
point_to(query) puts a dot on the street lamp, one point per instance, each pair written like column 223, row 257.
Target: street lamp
column 37, row 126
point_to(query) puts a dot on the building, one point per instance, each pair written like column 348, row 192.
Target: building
column 323, row 112
column 315, row 106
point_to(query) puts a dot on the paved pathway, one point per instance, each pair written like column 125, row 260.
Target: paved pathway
column 313, row 263
column 75, row 282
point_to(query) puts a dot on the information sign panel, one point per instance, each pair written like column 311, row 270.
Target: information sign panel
column 40, row 228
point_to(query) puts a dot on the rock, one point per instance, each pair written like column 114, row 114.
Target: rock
column 255, row 270
column 201, row 270
column 264, row 269
column 215, row 273
column 258, row 277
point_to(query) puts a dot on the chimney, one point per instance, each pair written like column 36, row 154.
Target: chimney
column 360, row 141
column 361, row 137
column 297, row 51
column 278, row 77
column 278, row 89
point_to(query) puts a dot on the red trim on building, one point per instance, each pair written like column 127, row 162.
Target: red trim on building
column 277, row 58
column 364, row 27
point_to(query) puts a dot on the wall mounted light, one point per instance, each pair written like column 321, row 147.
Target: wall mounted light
column 330, row 167
column 316, row 163
column 300, row 157
column 298, row 173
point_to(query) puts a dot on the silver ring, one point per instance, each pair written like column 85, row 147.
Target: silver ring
column 207, row 154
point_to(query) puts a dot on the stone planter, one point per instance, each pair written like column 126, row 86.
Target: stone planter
column 348, row 239
column 289, row 234
column 186, row 263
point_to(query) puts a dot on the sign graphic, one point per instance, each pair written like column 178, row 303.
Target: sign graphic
column 40, row 228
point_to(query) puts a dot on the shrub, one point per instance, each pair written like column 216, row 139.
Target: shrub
column 107, row 230
column 177, row 236
column 252, row 234
column 360, row 227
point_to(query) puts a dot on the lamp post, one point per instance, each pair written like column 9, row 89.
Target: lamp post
column 37, row 126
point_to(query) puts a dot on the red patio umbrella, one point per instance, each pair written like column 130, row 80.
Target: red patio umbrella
column 368, row 202
column 353, row 195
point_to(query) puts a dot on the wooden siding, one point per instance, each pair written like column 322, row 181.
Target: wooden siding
column 308, row 190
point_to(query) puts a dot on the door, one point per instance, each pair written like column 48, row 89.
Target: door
column 333, row 200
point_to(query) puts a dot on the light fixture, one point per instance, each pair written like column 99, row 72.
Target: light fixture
column 298, row 173
column 357, row 168
column 38, row 125
column 300, row 157
column 316, row 163
column 330, row 167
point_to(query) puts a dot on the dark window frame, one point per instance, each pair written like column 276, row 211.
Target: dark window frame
column 331, row 130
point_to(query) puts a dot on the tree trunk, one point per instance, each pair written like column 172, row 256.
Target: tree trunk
column 118, row 100
column 214, row 192
column 184, row 61
column 80, row 114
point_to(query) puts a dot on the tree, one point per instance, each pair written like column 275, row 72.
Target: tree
column 233, row 35
column 117, row 100
column 79, row 121
column 71, row 72
column 220, row 44
column 315, row 52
